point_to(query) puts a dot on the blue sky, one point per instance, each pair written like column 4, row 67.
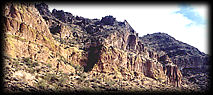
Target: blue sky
column 190, row 13
column 185, row 22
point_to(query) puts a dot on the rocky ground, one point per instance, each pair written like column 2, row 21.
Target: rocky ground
column 25, row 75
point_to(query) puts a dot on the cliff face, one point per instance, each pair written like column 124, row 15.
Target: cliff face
column 192, row 63
column 55, row 50
column 108, row 33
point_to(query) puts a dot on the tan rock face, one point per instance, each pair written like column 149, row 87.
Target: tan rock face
column 27, row 35
column 137, row 58
column 116, row 60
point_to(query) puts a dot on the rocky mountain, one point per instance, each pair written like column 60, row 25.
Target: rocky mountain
column 193, row 64
column 57, row 51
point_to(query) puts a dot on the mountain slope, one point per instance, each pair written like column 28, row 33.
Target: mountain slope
column 189, row 59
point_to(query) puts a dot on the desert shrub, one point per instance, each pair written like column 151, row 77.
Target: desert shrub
column 26, row 59
column 83, row 75
column 63, row 79
column 31, row 70
column 110, row 83
column 79, row 69
column 94, row 85
column 41, row 84
column 16, row 63
column 88, row 89
column 35, row 63
column 159, row 79
column 30, row 63
column 50, row 77
column 49, row 65
column 87, row 81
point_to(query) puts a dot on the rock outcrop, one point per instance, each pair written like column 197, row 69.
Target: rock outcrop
column 87, row 53
column 108, row 20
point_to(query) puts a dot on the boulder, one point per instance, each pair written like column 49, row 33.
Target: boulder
column 108, row 20
column 62, row 16
column 90, row 29
column 43, row 9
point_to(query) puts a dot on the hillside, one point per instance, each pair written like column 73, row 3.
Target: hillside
column 192, row 63
column 56, row 51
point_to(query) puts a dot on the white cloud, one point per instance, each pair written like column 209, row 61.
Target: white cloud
column 202, row 10
column 147, row 19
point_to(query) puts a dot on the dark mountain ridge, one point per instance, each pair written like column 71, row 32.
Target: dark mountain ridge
column 188, row 58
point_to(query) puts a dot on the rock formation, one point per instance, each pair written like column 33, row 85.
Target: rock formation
column 189, row 59
column 62, row 52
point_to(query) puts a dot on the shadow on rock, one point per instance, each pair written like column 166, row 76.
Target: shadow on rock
column 93, row 57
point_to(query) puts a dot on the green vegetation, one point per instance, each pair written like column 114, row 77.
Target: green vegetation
column 16, row 37
column 29, row 62
column 41, row 84
column 49, row 65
